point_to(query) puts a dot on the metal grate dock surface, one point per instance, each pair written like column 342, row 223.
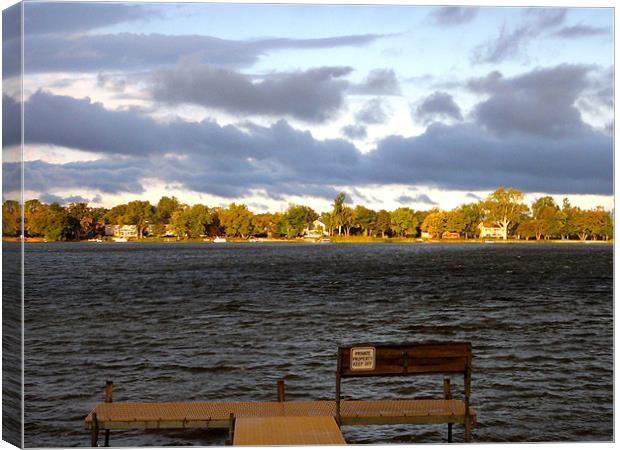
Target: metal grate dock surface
column 216, row 414
column 289, row 430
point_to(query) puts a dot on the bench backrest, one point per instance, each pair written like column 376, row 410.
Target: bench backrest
column 366, row 360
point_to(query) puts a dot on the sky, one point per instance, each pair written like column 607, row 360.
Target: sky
column 271, row 105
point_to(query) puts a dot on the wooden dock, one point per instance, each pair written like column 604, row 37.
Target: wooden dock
column 312, row 422
column 121, row 415
column 315, row 430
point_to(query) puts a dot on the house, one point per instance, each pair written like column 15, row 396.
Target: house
column 490, row 231
column 122, row 231
column 315, row 230
column 450, row 235
column 427, row 235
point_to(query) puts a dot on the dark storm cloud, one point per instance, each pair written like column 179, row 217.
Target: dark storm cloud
column 51, row 198
column 354, row 131
column 540, row 102
column 378, row 82
column 512, row 43
column 465, row 157
column 111, row 176
column 372, row 113
column 140, row 52
column 11, row 42
column 453, row 15
column 437, row 106
column 313, row 95
column 11, row 121
column 580, row 31
column 226, row 161
column 51, row 17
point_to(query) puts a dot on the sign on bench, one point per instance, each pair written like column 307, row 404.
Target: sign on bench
column 404, row 359
column 366, row 360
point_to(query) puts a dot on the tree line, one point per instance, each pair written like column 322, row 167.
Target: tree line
column 504, row 208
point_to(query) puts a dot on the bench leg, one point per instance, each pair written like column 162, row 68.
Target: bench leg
column 94, row 432
column 106, row 441
column 449, row 433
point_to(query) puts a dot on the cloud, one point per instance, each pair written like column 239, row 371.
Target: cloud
column 452, row 15
column 139, row 52
column 438, row 105
column 51, row 198
column 540, row 102
column 512, row 43
column 354, row 131
column 378, row 82
column 45, row 18
column 580, row 31
column 372, row 113
column 313, row 95
column 281, row 160
column 466, row 157
column 420, row 198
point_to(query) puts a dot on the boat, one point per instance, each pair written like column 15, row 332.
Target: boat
column 218, row 240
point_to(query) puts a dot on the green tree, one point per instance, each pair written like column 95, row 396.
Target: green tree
column 11, row 218
column 297, row 218
column 139, row 213
column 53, row 223
column 32, row 209
column 403, row 221
column 504, row 207
column 236, row 220
column 116, row 215
column 472, row 216
column 338, row 212
column 365, row 219
column 383, row 223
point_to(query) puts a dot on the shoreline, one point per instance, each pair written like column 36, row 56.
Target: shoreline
column 334, row 240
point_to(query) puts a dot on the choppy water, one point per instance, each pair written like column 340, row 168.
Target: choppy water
column 224, row 322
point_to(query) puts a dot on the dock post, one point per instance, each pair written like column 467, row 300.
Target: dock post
column 231, row 429
column 94, row 432
column 447, row 394
column 280, row 390
column 109, row 389
column 338, row 370
column 467, row 390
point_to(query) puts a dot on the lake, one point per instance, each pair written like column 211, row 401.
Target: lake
column 224, row 322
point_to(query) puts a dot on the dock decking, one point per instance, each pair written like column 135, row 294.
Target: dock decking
column 120, row 415
column 315, row 430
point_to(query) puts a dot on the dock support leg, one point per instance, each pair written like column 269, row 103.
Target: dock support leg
column 447, row 394
column 106, row 441
column 231, row 429
column 94, row 432
column 280, row 390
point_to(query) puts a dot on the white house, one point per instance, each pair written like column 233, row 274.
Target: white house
column 122, row 231
column 493, row 231
column 315, row 230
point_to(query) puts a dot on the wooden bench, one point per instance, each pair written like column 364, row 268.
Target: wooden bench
column 372, row 360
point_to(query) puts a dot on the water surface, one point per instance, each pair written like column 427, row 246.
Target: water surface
column 223, row 322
